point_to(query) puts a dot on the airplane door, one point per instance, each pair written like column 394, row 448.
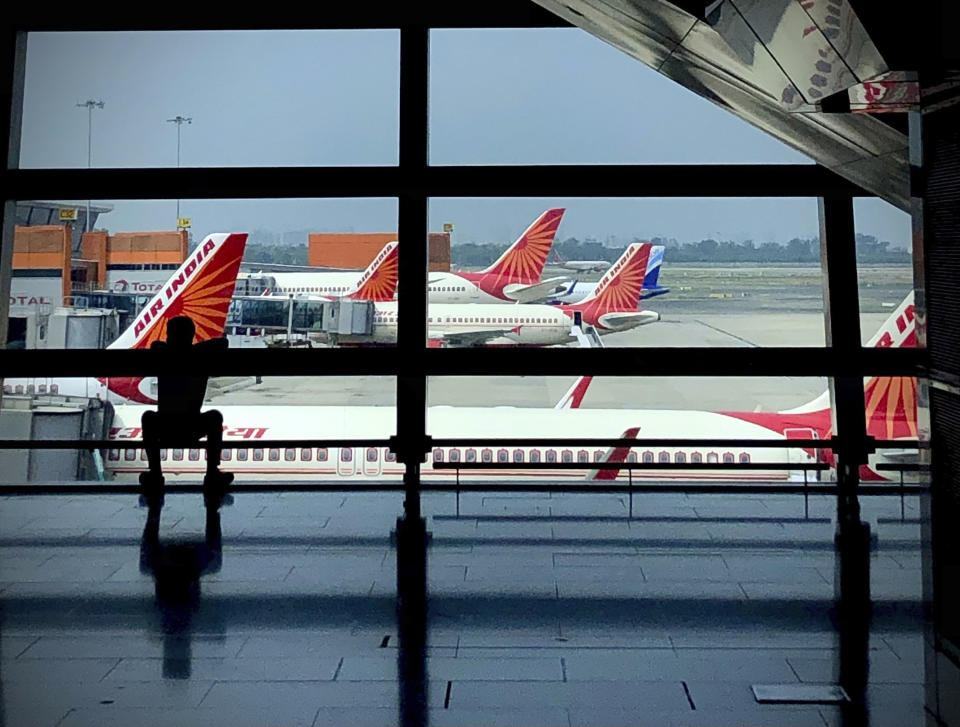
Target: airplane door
column 578, row 319
column 799, row 455
column 345, row 461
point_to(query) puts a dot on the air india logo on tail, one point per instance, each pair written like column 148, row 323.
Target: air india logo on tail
column 379, row 281
column 620, row 287
column 523, row 262
column 201, row 289
column 891, row 401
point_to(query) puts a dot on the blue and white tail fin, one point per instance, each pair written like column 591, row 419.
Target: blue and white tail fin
column 651, row 286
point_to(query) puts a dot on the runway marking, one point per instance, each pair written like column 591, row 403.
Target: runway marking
column 727, row 333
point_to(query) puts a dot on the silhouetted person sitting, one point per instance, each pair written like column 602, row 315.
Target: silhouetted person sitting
column 178, row 416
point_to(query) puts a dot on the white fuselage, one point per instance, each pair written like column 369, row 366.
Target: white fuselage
column 244, row 426
column 443, row 287
column 525, row 325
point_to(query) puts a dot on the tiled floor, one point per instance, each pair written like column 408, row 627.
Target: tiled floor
column 544, row 610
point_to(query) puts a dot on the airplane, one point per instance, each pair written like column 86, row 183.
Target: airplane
column 612, row 307
column 514, row 277
column 200, row 288
column 580, row 266
column 377, row 282
column 890, row 404
column 577, row 291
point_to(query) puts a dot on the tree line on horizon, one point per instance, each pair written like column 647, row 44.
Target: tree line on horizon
column 709, row 250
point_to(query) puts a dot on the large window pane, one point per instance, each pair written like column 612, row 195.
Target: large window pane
column 561, row 96
column 275, row 98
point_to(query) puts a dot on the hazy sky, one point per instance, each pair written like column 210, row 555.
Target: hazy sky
column 330, row 98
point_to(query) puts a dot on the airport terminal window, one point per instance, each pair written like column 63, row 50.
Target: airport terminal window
column 306, row 454
column 258, row 455
column 241, row 455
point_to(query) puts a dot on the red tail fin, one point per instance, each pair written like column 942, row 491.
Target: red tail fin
column 619, row 288
column 891, row 401
column 201, row 289
column 524, row 260
column 379, row 280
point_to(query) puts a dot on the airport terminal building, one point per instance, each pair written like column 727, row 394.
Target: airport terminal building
column 711, row 479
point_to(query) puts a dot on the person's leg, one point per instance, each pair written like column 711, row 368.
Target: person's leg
column 215, row 482
column 150, row 423
column 151, row 482
column 211, row 424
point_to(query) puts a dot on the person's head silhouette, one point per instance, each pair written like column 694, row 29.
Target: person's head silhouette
column 180, row 331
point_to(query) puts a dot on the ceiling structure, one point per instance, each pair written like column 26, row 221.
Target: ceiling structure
column 805, row 71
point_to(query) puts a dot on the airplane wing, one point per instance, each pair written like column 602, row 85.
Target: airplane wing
column 535, row 293
column 900, row 456
column 471, row 338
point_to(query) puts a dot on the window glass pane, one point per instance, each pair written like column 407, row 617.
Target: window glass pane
column 710, row 272
column 562, row 96
column 265, row 98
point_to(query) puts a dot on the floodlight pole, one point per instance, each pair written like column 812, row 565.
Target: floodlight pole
column 90, row 104
column 179, row 121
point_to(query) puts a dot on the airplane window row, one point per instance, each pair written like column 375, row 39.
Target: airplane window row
column 446, row 288
column 316, row 289
column 290, row 454
column 31, row 389
column 494, row 319
column 567, row 455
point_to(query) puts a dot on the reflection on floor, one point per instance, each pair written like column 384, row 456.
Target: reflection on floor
column 544, row 610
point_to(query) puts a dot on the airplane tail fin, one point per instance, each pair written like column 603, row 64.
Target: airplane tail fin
column 523, row 261
column 201, row 288
column 379, row 281
column 890, row 401
column 652, row 278
column 574, row 396
column 620, row 287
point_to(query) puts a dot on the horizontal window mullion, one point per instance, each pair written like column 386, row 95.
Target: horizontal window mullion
column 763, row 180
column 500, row 14
column 668, row 362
